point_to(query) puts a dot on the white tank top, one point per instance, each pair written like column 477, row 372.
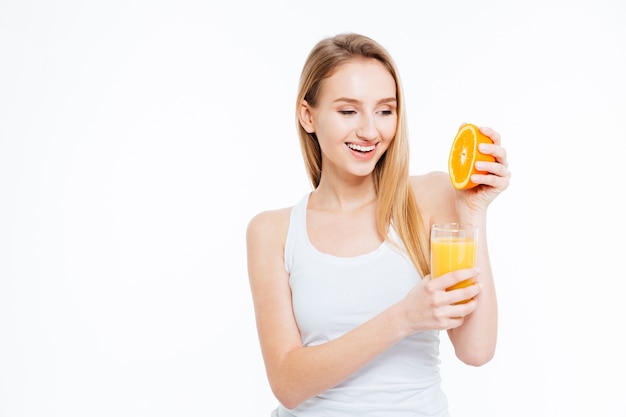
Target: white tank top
column 332, row 295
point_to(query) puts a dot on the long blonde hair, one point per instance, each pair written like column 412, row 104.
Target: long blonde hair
column 396, row 201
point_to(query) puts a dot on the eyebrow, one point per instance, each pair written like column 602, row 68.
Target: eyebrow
column 355, row 101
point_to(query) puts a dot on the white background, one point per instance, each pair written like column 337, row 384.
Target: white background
column 137, row 138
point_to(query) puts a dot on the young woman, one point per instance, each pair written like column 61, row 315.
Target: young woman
column 347, row 315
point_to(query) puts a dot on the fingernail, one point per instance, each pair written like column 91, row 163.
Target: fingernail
column 477, row 271
column 481, row 165
column 482, row 147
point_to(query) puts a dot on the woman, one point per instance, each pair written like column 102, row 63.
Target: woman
column 347, row 315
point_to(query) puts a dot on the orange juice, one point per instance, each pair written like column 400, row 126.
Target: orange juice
column 449, row 253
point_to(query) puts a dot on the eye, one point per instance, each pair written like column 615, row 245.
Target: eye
column 347, row 112
column 386, row 112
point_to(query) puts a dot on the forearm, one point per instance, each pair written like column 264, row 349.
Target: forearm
column 307, row 371
column 475, row 341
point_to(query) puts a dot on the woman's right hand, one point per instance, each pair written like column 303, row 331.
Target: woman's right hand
column 429, row 306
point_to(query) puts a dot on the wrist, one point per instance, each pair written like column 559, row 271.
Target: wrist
column 473, row 218
column 399, row 320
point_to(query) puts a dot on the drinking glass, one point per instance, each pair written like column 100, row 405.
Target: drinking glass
column 452, row 247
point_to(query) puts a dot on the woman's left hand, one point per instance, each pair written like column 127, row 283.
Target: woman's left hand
column 491, row 184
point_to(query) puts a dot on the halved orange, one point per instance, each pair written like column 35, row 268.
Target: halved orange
column 464, row 155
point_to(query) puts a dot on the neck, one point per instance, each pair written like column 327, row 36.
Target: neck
column 345, row 196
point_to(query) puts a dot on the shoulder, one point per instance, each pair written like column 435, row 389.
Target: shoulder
column 433, row 188
column 435, row 196
column 265, row 241
column 426, row 182
column 269, row 226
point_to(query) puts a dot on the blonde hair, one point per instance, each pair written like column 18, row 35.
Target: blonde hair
column 396, row 202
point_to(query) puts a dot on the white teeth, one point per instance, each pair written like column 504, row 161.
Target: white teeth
column 361, row 148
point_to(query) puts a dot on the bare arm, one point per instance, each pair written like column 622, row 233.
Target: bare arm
column 297, row 373
column 475, row 340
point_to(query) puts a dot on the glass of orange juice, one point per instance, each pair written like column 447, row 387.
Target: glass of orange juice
column 452, row 247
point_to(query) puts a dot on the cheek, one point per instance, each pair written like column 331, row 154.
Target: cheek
column 337, row 131
column 389, row 130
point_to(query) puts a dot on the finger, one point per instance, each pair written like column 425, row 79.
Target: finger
column 494, row 168
column 497, row 151
column 452, row 278
column 495, row 136
column 463, row 295
column 499, row 181
column 494, row 181
column 463, row 309
column 454, row 322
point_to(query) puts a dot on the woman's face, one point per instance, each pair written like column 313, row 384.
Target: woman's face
column 355, row 117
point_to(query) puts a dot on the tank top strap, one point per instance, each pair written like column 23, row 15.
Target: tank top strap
column 296, row 233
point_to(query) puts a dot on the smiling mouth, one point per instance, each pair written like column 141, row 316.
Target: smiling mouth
column 360, row 148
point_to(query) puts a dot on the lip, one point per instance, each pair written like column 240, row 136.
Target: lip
column 362, row 156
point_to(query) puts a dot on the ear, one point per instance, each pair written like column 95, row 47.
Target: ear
column 305, row 116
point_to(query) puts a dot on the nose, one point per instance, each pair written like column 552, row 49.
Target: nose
column 367, row 128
